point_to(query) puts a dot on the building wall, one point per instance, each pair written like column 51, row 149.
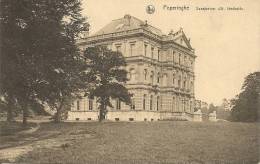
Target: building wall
column 162, row 76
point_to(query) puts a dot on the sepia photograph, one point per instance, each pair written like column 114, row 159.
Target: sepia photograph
column 129, row 81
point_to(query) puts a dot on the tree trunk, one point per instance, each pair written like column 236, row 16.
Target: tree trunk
column 102, row 110
column 10, row 117
column 58, row 113
column 10, row 107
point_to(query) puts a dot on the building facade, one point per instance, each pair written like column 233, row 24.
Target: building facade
column 160, row 71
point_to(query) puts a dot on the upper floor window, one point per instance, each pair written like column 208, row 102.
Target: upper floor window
column 158, row 77
column 152, row 52
column 158, row 55
column 152, row 77
column 179, row 58
column 145, row 50
column 164, row 80
column 145, row 74
column 173, row 54
column 185, row 60
column 118, row 48
column 132, row 74
column 132, row 46
column 173, row 79
column 179, row 82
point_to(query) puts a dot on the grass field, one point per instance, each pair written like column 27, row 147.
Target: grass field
column 137, row 142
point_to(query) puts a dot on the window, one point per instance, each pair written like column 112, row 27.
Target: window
column 118, row 104
column 173, row 79
column 133, row 104
column 158, row 78
column 132, row 45
column 173, row 56
column 157, row 103
column 158, row 55
column 118, row 48
column 164, row 80
column 179, row 58
column 173, row 104
column 185, row 60
column 152, row 77
column 151, row 102
column 78, row 105
column 145, row 74
column 132, row 74
column 144, row 99
column 145, row 50
column 90, row 104
column 152, row 52
column 179, row 82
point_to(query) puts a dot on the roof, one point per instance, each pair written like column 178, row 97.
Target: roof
column 128, row 22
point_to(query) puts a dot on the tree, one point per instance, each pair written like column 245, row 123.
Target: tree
column 246, row 104
column 38, row 50
column 107, row 69
column 212, row 108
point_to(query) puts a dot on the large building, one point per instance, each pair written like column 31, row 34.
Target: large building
column 160, row 67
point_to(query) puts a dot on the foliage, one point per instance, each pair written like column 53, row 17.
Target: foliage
column 246, row 104
column 39, row 59
column 107, row 70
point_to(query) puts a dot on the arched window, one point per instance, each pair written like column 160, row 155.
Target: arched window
column 151, row 102
column 144, row 101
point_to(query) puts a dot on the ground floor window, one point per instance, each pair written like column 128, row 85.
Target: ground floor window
column 151, row 102
column 118, row 104
column 132, row 104
column 144, row 99
column 90, row 104
column 157, row 103
column 78, row 105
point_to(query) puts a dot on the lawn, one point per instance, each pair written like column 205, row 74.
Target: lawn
column 138, row 142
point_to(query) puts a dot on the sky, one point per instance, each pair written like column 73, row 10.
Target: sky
column 226, row 43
